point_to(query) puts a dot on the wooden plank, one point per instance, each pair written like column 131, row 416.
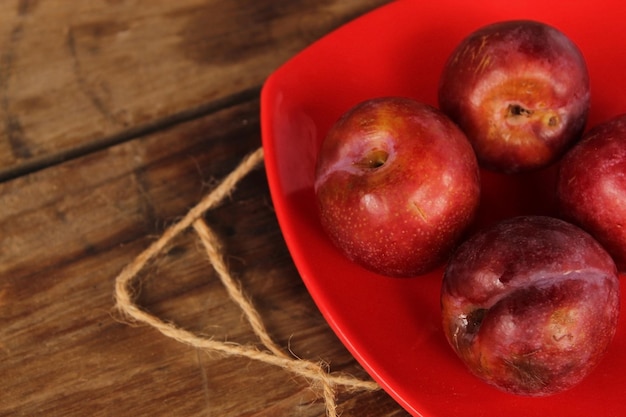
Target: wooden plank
column 75, row 73
column 68, row 230
column 77, row 210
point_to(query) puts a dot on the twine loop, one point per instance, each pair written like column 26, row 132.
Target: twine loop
column 318, row 374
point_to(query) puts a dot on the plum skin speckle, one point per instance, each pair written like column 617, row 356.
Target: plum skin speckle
column 396, row 185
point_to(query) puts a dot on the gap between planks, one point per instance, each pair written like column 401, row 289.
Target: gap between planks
column 39, row 163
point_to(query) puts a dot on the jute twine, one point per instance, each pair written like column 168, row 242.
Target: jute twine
column 317, row 373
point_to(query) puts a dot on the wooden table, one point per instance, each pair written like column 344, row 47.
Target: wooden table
column 116, row 117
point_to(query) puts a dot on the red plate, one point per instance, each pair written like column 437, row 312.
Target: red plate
column 392, row 326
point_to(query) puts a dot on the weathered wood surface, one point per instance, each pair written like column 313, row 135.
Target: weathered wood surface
column 117, row 117
column 74, row 74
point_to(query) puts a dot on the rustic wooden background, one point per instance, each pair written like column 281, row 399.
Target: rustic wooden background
column 116, row 117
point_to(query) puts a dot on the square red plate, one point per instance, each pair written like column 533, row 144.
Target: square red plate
column 392, row 326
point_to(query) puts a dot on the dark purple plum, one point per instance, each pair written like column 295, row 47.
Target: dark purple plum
column 531, row 304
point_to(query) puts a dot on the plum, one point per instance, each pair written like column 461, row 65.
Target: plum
column 591, row 186
column 519, row 89
column 397, row 183
column 530, row 304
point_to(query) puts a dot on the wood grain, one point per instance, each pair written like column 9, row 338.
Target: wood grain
column 116, row 117
column 73, row 74
column 71, row 228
